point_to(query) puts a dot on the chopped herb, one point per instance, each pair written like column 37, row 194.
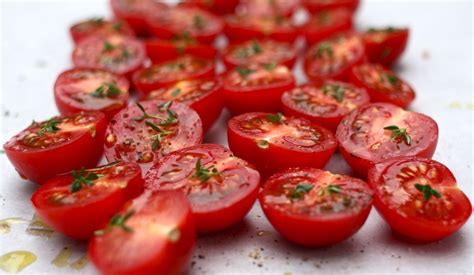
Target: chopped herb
column 300, row 189
column 107, row 47
column 106, row 90
column 176, row 92
column 171, row 118
column 388, row 29
column 202, row 173
column 117, row 26
column 97, row 20
column 427, row 191
column 160, row 133
column 198, row 22
column 323, row 49
column 117, row 221
column 393, row 80
column 336, row 91
column 244, row 72
column 323, row 17
column 50, row 126
column 279, row 19
column 330, row 189
column 399, row 133
column 82, row 177
column 275, row 118
column 125, row 53
column 145, row 114
column 165, row 105
column 269, row 66
column 256, row 48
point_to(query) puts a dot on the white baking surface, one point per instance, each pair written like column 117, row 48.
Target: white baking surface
column 35, row 48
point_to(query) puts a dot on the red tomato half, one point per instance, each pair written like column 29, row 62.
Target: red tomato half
column 334, row 58
column 77, row 204
column 385, row 46
column 216, row 6
column 79, row 90
column 99, row 27
column 58, row 145
column 163, row 50
column 419, row 198
column 326, row 23
column 166, row 73
column 382, row 84
column 117, row 54
column 315, row 208
column 203, row 95
column 314, row 6
column 274, row 142
column 220, row 187
column 380, row 131
column 256, row 87
column 268, row 8
column 154, row 234
column 259, row 51
column 325, row 105
column 145, row 132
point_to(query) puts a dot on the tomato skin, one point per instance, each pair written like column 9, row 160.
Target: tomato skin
column 157, row 252
column 43, row 164
column 215, row 6
column 99, row 27
column 326, row 23
column 385, row 47
column 314, row 6
column 411, row 228
column 162, row 50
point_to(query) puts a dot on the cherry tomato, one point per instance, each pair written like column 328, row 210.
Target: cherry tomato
column 216, row 6
column 384, row 46
column 145, row 132
column 382, row 84
column 203, row 95
column 99, row 26
column 380, row 131
column 259, row 51
column 273, row 142
column 325, row 105
column 57, row 145
column 78, row 203
column 325, row 24
column 419, row 198
column 117, row 54
column 334, row 58
column 256, row 87
column 79, row 90
column 268, row 8
column 169, row 72
column 315, row 208
column 153, row 234
column 314, row 6
column 163, row 50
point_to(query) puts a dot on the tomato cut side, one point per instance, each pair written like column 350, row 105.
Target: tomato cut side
column 98, row 26
column 327, row 23
column 268, row 8
column 314, row 6
column 164, row 50
column 385, row 46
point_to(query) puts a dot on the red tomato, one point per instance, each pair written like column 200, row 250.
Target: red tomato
column 419, row 198
column 145, row 132
column 154, row 234
column 325, row 105
column 380, row 131
column 314, row 6
column 382, row 84
column 240, row 28
column 334, row 58
column 203, row 95
column 169, row 72
column 163, row 50
column 117, row 54
column 274, row 142
column 259, row 51
column 256, row 87
column 216, row 6
column 79, row 90
column 78, row 203
column 58, row 145
column 385, row 46
column 325, row 24
column 220, row 187
column 99, row 27
column 268, row 8
column 199, row 24
column 315, row 208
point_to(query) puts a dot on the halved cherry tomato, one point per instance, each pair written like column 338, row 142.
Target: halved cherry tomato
column 380, row 131
column 419, row 198
column 315, row 208
column 325, row 24
column 239, row 28
column 169, row 72
column 199, row 24
column 259, row 51
column 268, row 8
column 57, row 145
column 203, row 95
column 384, row 46
column 256, row 87
column 325, row 105
column 220, row 187
column 145, row 132
column 215, row 6
column 273, row 142
column 153, row 234
column 314, row 6
column 382, row 84
column 99, row 27
column 163, row 50
column 117, row 54
column 78, row 203
column 79, row 90
column 334, row 58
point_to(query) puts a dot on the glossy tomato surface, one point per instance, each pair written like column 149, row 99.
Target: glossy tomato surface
column 315, row 208
column 153, row 234
column 314, row 6
column 216, row 6
column 324, row 105
column 273, row 142
column 380, row 131
column 385, row 46
column 159, row 50
column 57, row 145
column 220, row 187
column 256, row 87
column 419, row 198
column 145, row 132
column 78, row 203
column 326, row 23
column 98, row 26
column 79, row 90
column 268, row 8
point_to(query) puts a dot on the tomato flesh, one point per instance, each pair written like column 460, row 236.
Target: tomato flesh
column 99, row 27
column 385, row 46
column 326, row 23
column 163, row 50
column 268, row 8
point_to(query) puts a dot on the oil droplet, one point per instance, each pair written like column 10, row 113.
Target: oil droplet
column 62, row 257
column 80, row 264
column 261, row 233
column 110, row 140
column 5, row 224
column 174, row 235
column 263, row 144
column 38, row 228
column 16, row 261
